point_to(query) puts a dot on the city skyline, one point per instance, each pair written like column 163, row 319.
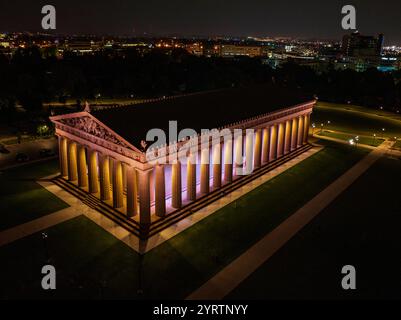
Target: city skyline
column 307, row 20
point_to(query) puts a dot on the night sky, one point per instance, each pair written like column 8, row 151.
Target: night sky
column 305, row 19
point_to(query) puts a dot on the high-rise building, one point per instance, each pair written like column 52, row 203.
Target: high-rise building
column 357, row 45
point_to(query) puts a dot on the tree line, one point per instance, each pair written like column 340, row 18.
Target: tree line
column 32, row 78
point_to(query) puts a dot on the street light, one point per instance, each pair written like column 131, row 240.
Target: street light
column 313, row 128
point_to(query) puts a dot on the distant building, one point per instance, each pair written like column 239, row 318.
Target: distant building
column 82, row 46
column 357, row 45
column 230, row 50
column 211, row 49
column 195, row 48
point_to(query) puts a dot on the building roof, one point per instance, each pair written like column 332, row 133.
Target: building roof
column 205, row 110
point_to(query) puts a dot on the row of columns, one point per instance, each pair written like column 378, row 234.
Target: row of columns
column 106, row 176
column 109, row 177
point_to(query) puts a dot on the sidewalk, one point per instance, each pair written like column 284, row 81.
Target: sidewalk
column 317, row 137
column 232, row 275
column 43, row 223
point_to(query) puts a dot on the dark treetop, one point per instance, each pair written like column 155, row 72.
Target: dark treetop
column 205, row 110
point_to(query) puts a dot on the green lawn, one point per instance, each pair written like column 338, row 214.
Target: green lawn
column 22, row 199
column 362, row 227
column 356, row 120
column 85, row 255
column 371, row 141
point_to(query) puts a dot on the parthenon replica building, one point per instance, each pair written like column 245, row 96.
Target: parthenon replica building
column 103, row 151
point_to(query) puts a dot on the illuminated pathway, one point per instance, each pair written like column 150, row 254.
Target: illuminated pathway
column 37, row 225
column 231, row 276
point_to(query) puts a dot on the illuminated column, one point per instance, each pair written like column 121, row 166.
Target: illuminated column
column 118, row 184
column 160, row 191
column 287, row 140
column 72, row 161
column 132, row 192
column 176, row 198
column 124, row 175
column 191, row 177
column 204, row 184
column 280, row 140
column 104, row 172
column 265, row 145
column 273, row 143
column 216, row 165
column 249, row 151
column 238, row 161
column 63, row 150
column 300, row 130
column 306, row 128
column 92, row 171
column 144, row 196
column 82, row 171
column 258, row 149
column 294, row 134
column 228, row 160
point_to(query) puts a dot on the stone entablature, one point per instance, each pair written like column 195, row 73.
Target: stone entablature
column 87, row 127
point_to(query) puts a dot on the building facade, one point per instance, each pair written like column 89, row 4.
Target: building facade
column 100, row 162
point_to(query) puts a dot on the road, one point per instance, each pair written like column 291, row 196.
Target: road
column 31, row 148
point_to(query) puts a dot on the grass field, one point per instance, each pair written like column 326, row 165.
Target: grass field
column 371, row 141
column 356, row 120
column 361, row 228
column 87, row 258
column 22, row 199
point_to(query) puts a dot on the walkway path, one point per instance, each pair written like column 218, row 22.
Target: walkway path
column 231, row 276
column 342, row 141
column 26, row 229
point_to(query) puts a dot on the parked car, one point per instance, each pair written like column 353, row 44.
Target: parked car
column 47, row 153
column 22, row 157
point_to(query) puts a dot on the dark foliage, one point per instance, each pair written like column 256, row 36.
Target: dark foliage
column 32, row 77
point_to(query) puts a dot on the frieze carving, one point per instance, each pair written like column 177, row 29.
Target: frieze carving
column 100, row 142
column 90, row 126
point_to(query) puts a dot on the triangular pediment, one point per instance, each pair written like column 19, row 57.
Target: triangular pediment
column 88, row 124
